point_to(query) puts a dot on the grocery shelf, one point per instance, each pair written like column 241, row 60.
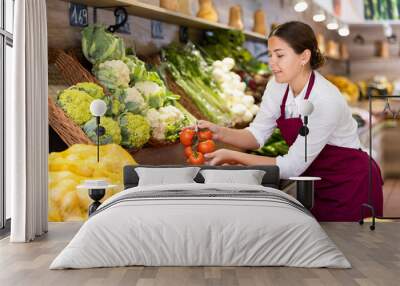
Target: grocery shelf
column 148, row 11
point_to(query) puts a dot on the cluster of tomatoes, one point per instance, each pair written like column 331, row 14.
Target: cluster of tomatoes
column 197, row 144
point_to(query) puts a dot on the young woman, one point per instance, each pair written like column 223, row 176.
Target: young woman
column 334, row 152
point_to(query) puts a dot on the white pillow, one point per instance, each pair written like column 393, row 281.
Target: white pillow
column 248, row 177
column 163, row 176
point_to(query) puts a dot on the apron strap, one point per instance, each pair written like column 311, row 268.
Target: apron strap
column 310, row 85
column 283, row 104
column 308, row 92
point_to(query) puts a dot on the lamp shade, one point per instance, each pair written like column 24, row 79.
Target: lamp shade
column 332, row 24
column 98, row 107
column 300, row 5
column 305, row 107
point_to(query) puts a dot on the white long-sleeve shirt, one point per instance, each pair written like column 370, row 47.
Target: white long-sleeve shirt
column 330, row 123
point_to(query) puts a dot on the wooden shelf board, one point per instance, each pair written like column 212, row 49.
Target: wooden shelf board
column 374, row 59
column 157, row 13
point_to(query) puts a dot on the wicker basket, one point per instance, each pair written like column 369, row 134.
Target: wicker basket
column 70, row 66
column 68, row 130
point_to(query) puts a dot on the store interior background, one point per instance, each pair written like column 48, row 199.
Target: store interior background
column 363, row 64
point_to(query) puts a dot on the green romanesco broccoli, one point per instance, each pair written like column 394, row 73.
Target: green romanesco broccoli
column 94, row 90
column 135, row 130
column 76, row 104
column 112, row 131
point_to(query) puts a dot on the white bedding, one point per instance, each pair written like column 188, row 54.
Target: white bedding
column 183, row 231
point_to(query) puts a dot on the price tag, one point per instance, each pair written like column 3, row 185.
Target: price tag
column 78, row 15
column 157, row 30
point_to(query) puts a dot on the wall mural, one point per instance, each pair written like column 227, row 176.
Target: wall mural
column 144, row 104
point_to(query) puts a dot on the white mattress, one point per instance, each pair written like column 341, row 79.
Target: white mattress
column 189, row 231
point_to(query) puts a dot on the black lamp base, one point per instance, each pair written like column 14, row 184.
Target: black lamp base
column 96, row 195
column 305, row 193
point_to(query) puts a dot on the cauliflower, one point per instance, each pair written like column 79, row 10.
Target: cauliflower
column 166, row 123
column 117, row 107
column 137, row 68
column 152, row 92
column 233, row 91
column 135, row 130
column 116, row 103
column 112, row 130
column 134, row 101
column 76, row 104
column 94, row 90
column 113, row 74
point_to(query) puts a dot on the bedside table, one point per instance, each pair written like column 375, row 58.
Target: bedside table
column 305, row 190
column 97, row 190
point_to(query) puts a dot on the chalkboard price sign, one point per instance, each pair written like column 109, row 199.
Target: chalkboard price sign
column 156, row 30
column 78, row 15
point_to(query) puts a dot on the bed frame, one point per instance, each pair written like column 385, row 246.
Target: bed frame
column 270, row 179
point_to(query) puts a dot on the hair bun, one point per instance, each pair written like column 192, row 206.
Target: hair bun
column 317, row 59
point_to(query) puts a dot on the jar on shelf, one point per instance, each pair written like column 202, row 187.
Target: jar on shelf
column 235, row 17
column 171, row 5
column 259, row 22
column 207, row 11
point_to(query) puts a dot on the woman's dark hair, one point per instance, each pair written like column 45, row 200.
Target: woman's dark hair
column 300, row 37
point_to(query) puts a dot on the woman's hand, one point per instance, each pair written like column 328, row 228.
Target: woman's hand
column 221, row 157
column 214, row 128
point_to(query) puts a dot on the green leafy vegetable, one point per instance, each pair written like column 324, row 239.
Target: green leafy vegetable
column 99, row 45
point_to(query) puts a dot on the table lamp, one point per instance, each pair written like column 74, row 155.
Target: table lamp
column 305, row 185
column 305, row 108
column 98, row 108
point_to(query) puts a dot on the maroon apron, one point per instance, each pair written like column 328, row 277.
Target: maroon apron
column 344, row 173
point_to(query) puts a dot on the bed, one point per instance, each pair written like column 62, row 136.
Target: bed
column 201, row 224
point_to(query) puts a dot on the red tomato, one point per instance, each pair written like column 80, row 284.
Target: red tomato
column 204, row 134
column 188, row 151
column 205, row 147
column 196, row 158
column 186, row 136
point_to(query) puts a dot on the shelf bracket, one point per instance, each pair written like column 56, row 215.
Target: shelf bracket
column 119, row 11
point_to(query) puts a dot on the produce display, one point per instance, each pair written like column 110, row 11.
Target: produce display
column 275, row 145
column 233, row 88
column 69, row 168
column 216, row 91
column 379, row 82
column 220, row 44
column 197, row 143
column 348, row 88
column 139, row 106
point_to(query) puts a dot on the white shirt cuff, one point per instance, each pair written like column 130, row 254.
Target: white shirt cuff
column 257, row 135
column 285, row 171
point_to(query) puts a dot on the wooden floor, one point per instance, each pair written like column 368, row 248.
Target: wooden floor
column 391, row 198
column 375, row 257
